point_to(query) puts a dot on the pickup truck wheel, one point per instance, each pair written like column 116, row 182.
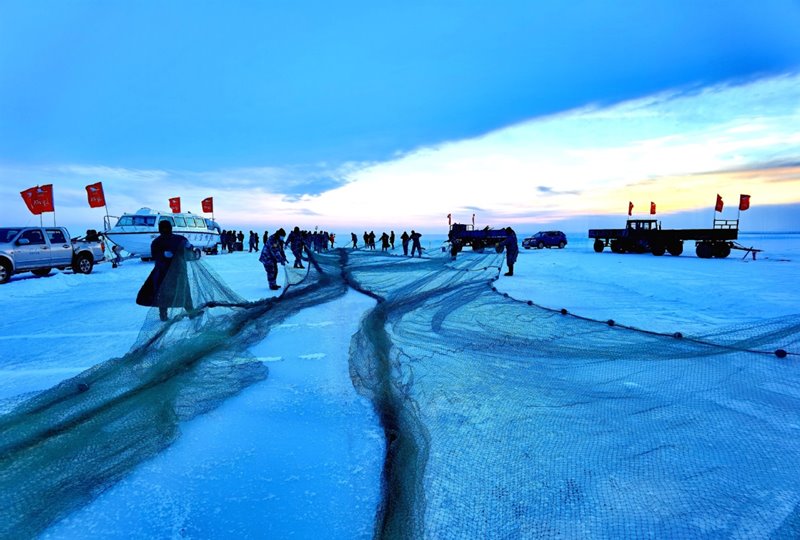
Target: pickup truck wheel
column 598, row 246
column 561, row 245
column 5, row 272
column 83, row 264
column 540, row 245
column 41, row 272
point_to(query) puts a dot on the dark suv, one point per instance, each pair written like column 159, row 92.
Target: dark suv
column 546, row 239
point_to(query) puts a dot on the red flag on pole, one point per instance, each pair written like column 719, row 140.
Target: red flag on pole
column 630, row 208
column 652, row 208
column 96, row 196
column 39, row 199
column 719, row 204
column 175, row 205
column 208, row 205
column 449, row 219
column 744, row 202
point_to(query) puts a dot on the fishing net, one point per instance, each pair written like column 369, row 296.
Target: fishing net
column 503, row 419
column 508, row 420
column 66, row 445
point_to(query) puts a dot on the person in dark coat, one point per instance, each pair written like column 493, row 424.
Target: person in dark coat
column 354, row 238
column 272, row 254
column 371, row 239
column 415, row 245
column 405, row 238
column 168, row 284
column 391, row 239
column 295, row 241
column 251, row 241
column 384, row 242
column 512, row 250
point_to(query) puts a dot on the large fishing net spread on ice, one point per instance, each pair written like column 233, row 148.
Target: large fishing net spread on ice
column 507, row 420
column 66, row 445
column 503, row 419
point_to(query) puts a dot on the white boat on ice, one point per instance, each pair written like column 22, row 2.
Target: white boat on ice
column 135, row 232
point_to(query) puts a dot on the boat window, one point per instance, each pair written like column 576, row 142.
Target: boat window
column 179, row 221
column 56, row 236
column 144, row 221
column 34, row 236
column 6, row 235
column 167, row 218
column 125, row 221
column 198, row 222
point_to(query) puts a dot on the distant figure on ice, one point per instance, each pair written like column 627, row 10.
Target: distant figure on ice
column 251, row 241
column 366, row 240
column 371, row 239
column 391, row 239
column 295, row 241
column 415, row 245
column 405, row 238
column 354, row 239
column 333, row 239
column 168, row 283
column 255, row 240
column 512, row 250
column 265, row 238
column 384, row 242
column 272, row 254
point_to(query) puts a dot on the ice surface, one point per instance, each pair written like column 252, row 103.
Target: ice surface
column 501, row 419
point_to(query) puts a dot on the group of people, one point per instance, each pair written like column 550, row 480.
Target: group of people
column 169, row 287
column 387, row 241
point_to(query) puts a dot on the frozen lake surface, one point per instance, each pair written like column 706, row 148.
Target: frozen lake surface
column 502, row 419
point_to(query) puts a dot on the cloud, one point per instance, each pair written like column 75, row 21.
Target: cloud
column 676, row 148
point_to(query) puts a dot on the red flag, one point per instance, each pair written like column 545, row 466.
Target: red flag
column 652, row 208
column 96, row 196
column 208, row 205
column 39, row 199
column 630, row 208
column 744, row 202
column 175, row 205
column 720, row 204
column 449, row 219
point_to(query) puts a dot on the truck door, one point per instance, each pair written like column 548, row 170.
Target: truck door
column 60, row 248
column 35, row 253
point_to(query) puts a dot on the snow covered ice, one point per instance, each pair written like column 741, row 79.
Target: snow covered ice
column 430, row 407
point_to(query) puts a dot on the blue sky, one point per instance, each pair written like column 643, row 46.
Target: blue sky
column 295, row 100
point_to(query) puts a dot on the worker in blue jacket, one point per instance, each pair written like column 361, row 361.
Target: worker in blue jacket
column 512, row 250
column 272, row 254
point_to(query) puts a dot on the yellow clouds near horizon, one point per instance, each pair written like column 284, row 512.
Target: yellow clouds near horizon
column 678, row 149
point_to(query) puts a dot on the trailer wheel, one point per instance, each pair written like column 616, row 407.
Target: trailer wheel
column 658, row 250
column 704, row 250
column 477, row 245
column 722, row 250
column 616, row 247
column 598, row 246
column 675, row 249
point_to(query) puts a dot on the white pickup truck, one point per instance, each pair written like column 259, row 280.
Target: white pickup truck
column 40, row 249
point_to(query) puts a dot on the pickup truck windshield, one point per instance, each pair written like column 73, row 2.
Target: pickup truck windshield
column 7, row 235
